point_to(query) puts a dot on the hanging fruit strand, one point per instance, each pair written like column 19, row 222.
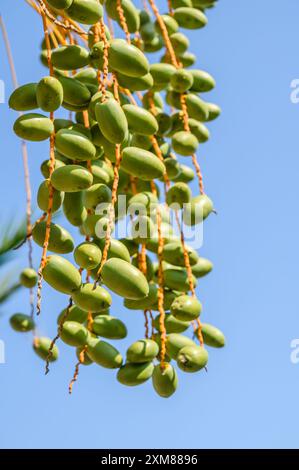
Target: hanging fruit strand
column 38, row 221
column 104, row 79
column 161, row 283
column 53, row 39
column 152, row 324
column 170, row 9
column 89, row 315
column 165, row 34
column 87, row 126
column 146, row 324
column 155, row 142
column 111, row 216
column 129, row 95
column 198, row 173
column 69, row 27
column 59, row 29
column 185, row 112
column 53, row 342
column 120, row 142
column 186, row 255
column 51, row 189
column 70, row 38
column 160, row 156
column 198, row 328
column 137, row 40
column 60, row 37
column 187, row 129
column 172, row 55
column 142, row 259
column 161, row 291
column 142, row 264
column 118, row 155
column 185, row 251
column 123, row 21
column 76, row 373
column 133, row 184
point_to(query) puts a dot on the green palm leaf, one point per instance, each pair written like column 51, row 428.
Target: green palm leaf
column 7, row 289
column 12, row 236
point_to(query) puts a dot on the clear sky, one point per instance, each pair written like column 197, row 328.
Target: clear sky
column 249, row 398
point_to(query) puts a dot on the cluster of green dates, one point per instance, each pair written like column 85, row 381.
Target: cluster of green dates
column 83, row 179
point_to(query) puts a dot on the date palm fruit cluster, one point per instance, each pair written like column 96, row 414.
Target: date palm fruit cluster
column 126, row 125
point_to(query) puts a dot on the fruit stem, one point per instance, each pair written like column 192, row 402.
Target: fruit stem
column 164, row 32
column 51, row 169
column 76, row 373
column 170, row 9
column 198, row 328
column 63, row 319
column 103, row 80
column 146, row 323
column 123, row 20
column 172, row 55
column 161, row 290
column 44, row 10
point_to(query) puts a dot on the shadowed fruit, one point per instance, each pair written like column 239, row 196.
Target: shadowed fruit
column 21, row 323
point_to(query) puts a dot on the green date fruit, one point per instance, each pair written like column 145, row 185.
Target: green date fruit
column 141, row 351
column 192, row 358
column 33, row 127
column 135, row 374
column 24, row 98
column 28, row 278
column 41, row 346
column 62, row 275
column 165, row 382
column 87, row 255
column 186, row 308
column 104, row 354
column 124, row 279
column 49, row 94
column 60, row 240
column 71, row 178
column 109, row 327
column 21, row 323
column 90, row 299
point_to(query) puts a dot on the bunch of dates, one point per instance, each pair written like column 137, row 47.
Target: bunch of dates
column 146, row 121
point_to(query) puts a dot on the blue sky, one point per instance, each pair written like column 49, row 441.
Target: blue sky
column 249, row 398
